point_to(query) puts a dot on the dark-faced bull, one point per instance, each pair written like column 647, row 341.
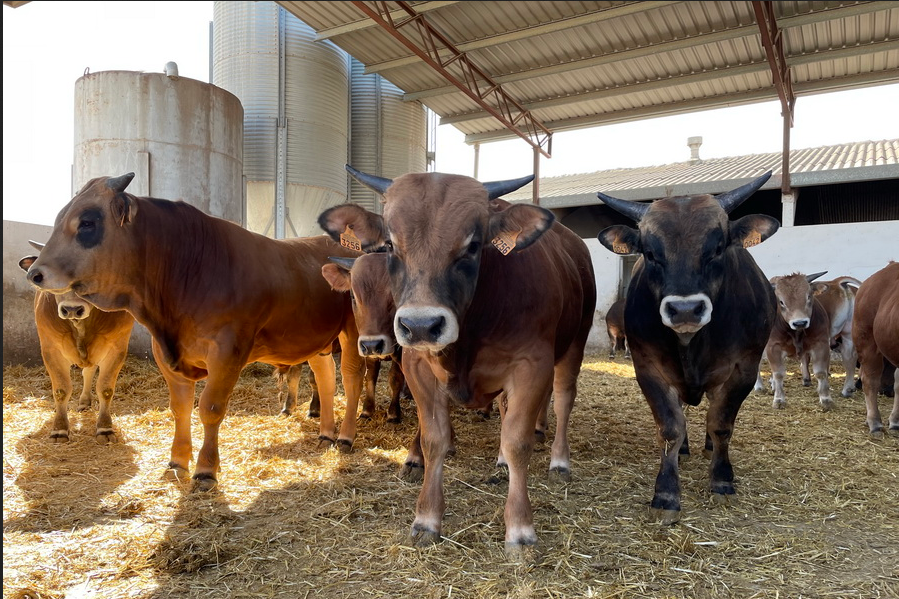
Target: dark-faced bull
column 698, row 314
column 492, row 298
column 214, row 297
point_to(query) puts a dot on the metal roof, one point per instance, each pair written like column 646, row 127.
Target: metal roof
column 842, row 163
column 577, row 64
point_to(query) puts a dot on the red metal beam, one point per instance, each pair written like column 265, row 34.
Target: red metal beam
column 772, row 40
column 456, row 66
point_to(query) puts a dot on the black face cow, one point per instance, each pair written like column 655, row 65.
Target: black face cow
column 698, row 314
column 492, row 298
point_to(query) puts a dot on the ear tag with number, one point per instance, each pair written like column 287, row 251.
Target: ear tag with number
column 349, row 240
column 621, row 248
column 505, row 242
column 752, row 239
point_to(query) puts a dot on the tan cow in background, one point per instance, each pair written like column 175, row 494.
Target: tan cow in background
column 73, row 332
column 837, row 297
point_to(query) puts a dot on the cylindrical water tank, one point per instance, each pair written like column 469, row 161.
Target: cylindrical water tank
column 295, row 94
column 388, row 135
column 181, row 137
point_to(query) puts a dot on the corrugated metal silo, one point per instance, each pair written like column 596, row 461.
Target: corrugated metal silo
column 181, row 137
column 389, row 136
column 295, row 94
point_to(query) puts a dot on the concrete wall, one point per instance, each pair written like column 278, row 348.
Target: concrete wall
column 20, row 342
column 854, row 249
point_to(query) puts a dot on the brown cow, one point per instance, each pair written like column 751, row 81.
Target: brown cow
column 875, row 331
column 492, row 298
column 72, row 331
column 374, row 310
column 801, row 331
column 698, row 313
column 615, row 329
column 213, row 295
column 837, row 297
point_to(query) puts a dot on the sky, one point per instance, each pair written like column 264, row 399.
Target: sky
column 48, row 45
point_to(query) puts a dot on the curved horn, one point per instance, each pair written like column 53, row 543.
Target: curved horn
column 496, row 189
column 36, row 244
column 811, row 278
column 118, row 184
column 634, row 210
column 373, row 182
column 344, row 263
column 731, row 199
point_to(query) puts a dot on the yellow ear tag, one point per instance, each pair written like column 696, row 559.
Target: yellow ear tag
column 621, row 248
column 505, row 242
column 349, row 240
column 752, row 239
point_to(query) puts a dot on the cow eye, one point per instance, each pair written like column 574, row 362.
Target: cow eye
column 474, row 248
column 650, row 256
column 388, row 246
column 86, row 225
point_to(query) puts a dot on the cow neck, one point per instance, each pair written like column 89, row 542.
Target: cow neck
column 79, row 331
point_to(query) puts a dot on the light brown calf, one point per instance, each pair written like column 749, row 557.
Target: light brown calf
column 615, row 329
column 801, row 331
column 72, row 331
column 875, row 331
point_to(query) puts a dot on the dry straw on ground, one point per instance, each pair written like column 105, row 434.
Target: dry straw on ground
column 817, row 513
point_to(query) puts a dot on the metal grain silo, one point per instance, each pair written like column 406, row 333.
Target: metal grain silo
column 295, row 94
column 181, row 137
column 389, row 136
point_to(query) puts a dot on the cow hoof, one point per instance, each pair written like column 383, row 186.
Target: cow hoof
column 393, row 420
column 894, row 431
column 313, row 414
column 665, row 517
column 521, row 553
column 285, row 412
column 539, row 438
column 779, row 404
column 559, row 474
column 412, row 473
column 877, row 435
column 806, row 382
column 84, row 407
column 204, row 483
column 176, row 474
column 724, row 498
column 106, row 437
column 325, row 442
column 420, row 537
column 59, row 437
column 365, row 416
column 344, row 446
column 827, row 406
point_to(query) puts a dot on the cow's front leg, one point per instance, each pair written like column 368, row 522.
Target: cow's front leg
column 288, row 387
column 804, row 360
column 325, row 373
column 352, row 372
column 778, row 371
column 181, row 403
column 820, row 361
column 110, row 367
column 517, row 443
column 87, row 380
column 671, row 424
column 850, row 357
column 61, row 383
column 213, row 406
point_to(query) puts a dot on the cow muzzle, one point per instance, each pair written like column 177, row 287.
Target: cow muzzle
column 425, row 328
column 73, row 311
column 375, row 346
column 686, row 313
column 799, row 324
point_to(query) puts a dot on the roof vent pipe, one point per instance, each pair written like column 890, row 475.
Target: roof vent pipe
column 171, row 69
column 694, row 143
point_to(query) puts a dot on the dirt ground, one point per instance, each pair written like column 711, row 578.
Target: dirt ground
column 816, row 515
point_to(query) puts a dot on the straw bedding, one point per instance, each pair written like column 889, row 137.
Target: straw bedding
column 817, row 510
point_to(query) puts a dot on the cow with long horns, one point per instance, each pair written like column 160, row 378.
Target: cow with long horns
column 213, row 295
column 698, row 314
column 493, row 300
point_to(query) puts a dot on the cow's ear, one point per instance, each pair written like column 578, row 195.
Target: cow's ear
column 621, row 239
column 124, row 208
column 518, row 226
column 819, row 288
column 26, row 262
column 753, row 229
column 337, row 277
column 354, row 227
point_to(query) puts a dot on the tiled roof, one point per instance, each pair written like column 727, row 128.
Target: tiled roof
column 858, row 161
